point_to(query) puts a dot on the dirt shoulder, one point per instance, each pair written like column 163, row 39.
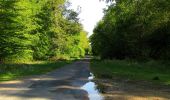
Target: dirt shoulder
column 118, row 89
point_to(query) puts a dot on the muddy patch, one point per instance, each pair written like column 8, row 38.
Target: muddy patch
column 114, row 89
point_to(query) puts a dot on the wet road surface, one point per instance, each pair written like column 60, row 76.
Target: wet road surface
column 71, row 82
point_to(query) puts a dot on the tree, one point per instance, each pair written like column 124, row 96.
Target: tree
column 39, row 30
column 133, row 29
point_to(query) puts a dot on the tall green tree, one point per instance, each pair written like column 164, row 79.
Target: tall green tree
column 16, row 26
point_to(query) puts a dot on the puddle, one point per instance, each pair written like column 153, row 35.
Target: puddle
column 91, row 88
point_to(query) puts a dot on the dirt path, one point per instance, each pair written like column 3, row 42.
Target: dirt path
column 72, row 82
column 62, row 84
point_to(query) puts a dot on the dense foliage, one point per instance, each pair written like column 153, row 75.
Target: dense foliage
column 39, row 29
column 137, row 29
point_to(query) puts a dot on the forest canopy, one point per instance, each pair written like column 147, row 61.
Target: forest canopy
column 40, row 30
column 135, row 29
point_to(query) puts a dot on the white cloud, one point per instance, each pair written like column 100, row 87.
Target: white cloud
column 91, row 12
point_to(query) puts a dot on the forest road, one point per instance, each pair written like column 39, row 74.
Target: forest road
column 62, row 84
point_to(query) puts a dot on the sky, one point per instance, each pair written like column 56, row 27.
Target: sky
column 91, row 12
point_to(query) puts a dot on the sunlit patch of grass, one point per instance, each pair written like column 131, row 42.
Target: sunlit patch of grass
column 153, row 71
column 13, row 71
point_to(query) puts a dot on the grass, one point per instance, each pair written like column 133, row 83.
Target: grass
column 14, row 71
column 153, row 71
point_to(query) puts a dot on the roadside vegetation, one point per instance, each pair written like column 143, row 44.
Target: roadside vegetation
column 151, row 71
column 15, row 71
column 137, row 30
column 134, row 29
column 33, row 30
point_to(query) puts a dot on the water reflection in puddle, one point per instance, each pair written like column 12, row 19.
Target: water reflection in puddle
column 91, row 88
